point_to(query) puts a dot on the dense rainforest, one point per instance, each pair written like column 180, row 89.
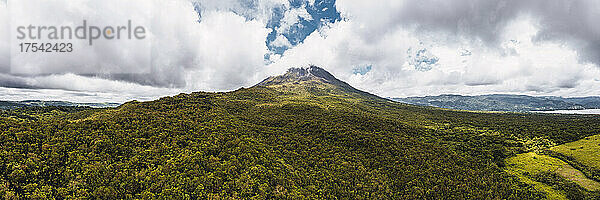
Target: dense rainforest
column 302, row 135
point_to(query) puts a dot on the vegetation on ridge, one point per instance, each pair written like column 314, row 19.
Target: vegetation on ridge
column 304, row 138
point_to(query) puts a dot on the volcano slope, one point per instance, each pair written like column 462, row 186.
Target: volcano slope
column 304, row 134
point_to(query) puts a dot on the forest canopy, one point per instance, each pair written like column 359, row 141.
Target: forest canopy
column 303, row 139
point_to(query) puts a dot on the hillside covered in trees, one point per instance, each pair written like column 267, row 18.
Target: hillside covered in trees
column 302, row 135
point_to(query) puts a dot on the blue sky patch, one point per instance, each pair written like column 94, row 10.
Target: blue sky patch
column 362, row 70
column 322, row 12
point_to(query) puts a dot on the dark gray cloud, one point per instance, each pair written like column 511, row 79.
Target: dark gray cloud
column 573, row 22
column 171, row 78
column 10, row 81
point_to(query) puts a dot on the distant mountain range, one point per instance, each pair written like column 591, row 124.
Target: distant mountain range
column 32, row 103
column 504, row 102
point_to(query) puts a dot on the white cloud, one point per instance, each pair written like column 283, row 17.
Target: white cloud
column 292, row 17
column 522, row 52
column 281, row 41
column 222, row 52
column 231, row 52
column 532, row 67
column 4, row 38
column 261, row 10
column 112, row 56
column 18, row 94
column 70, row 87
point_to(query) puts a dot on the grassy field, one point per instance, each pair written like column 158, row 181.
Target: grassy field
column 585, row 151
column 527, row 164
column 531, row 168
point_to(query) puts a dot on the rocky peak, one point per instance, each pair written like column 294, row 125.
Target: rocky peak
column 302, row 74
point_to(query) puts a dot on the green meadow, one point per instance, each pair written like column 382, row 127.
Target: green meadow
column 556, row 178
column 583, row 151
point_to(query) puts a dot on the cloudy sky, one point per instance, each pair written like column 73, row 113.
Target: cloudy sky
column 392, row 48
